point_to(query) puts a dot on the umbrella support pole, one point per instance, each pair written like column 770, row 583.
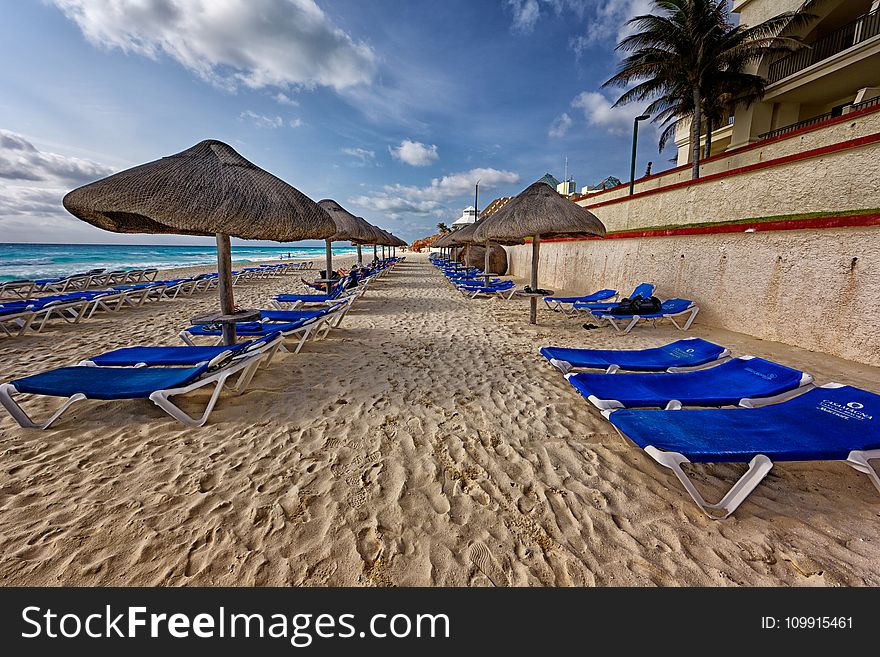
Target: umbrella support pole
column 224, row 272
column 360, row 256
column 328, row 263
column 486, row 273
column 533, row 301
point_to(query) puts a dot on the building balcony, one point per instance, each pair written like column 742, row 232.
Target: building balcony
column 833, row 44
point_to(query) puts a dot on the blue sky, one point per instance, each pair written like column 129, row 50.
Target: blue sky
column 392, row 108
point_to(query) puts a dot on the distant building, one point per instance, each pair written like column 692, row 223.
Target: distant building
column 837, row 73
column 548, row 179
column 468, row 216
column 608, row 183
column 494, row 206
column 567, row 188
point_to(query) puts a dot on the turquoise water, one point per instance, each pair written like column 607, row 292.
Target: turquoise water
column 19, row 261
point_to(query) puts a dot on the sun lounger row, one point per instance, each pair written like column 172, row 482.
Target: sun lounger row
column 18, row 317
column 472, row 283
column 604, row 305
column 162, row 373
column 84, row 281
column 24, row 289
column 781, row 415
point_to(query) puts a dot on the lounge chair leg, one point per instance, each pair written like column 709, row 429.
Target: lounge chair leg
column 162, row 399
column 758, row 469
column 631, row 325
column 860, row 460
column 690, row 320
column 23, row 419
column 244, row 379
column 187, row 338
column 561, row 365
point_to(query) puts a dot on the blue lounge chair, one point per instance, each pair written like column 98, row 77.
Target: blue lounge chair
column 644, row 290
column 560, row 303
column 669, row 309
column 16, row 318
column 337, row 292
column 156, row 383
column 504, row 290
column 831, row 422
column 723, row 385
column 306, row 324
column 183, row 356
column 678, row 356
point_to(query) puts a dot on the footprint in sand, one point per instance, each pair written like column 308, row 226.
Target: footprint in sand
column 207, row 482
column 483, row 559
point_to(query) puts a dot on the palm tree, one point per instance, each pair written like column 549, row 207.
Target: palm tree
column 690, row 60
column 443, row 228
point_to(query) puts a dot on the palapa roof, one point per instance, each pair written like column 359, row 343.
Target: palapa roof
column 203, row 190
column 387, row 238
column 465, row 235
column 443, row 241
column 538, row 210
column 349, row 228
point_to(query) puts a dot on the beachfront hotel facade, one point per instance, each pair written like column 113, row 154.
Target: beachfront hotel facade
column 838, row 72
column 780, row 236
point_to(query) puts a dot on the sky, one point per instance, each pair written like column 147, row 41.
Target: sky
column 393, row 108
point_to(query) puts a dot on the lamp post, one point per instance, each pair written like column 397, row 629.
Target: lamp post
column 632, row 167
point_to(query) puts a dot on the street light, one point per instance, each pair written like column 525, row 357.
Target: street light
column 632, row 167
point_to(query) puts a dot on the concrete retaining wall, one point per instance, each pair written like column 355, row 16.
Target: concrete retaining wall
column 818, row 289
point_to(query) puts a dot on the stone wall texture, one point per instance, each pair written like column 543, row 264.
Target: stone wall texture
column 817, row 289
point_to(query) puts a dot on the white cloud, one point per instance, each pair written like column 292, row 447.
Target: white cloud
column 526, row 13
column 599, row 113
column 296, row 123
column 606, row 23
column 283, row 99
column 414, row 153
column 255, row 43
column 560, row 126
column 21, row 160
column 362, row 157
column 395, row 200
column 261, row 120
column 33, row 182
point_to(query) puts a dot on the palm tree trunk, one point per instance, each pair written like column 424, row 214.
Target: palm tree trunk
column 707, row 152
column 695, row 134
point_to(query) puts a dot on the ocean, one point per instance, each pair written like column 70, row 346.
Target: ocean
column 28, row 261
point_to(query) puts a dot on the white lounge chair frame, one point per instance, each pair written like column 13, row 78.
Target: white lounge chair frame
column 759, row 466
column 244, row 365
column 691, row 312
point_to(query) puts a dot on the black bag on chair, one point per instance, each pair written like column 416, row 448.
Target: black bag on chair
column 638, row 305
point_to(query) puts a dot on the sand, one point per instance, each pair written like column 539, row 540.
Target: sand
column 423, row 443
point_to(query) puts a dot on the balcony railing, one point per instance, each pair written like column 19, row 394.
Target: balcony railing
column 854, row 32
column 818, row 119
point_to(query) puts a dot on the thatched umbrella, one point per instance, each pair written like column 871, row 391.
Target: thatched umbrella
column 370, row 232
column 348, row 228
column 375, row 239
column 397, row 242
column 387, row 240
column 538, row 211
column 208, row 189
column 442, row 242
column 465, row 236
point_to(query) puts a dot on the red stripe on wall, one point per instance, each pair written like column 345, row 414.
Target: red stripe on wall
column 809, row 223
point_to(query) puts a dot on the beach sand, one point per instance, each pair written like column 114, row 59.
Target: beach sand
column 425, row 442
